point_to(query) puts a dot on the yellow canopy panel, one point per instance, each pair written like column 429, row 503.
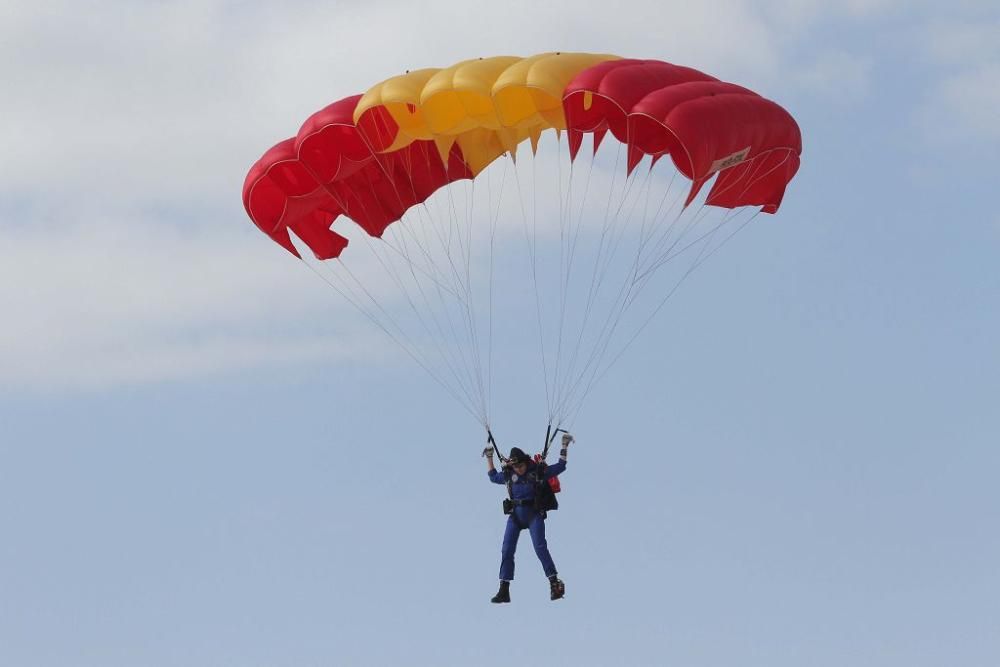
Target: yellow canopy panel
column 487, row 105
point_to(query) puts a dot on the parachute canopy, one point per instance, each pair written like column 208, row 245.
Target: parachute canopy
column 372, row 157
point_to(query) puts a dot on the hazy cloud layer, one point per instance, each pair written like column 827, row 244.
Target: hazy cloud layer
column 128, row 128
column 123, row 300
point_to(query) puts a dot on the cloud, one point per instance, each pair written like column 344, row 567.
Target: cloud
column 164, row 102
column 836, row 75
column 968, row 102
column 962, row 103
column 958, row 43
column 132, row 301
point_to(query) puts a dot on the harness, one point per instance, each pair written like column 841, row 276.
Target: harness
column 510, row 503
column 543, row 491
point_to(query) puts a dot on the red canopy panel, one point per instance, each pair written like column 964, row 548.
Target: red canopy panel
column 305, row 183
column 706, row 126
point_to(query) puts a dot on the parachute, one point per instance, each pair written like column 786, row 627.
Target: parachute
column 408, row 161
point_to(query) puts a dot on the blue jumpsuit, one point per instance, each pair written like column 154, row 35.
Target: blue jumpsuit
column 521, row 488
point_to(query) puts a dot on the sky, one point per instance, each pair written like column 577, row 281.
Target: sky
column 207, row 459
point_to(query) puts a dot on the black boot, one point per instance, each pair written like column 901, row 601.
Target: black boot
column 557, row 588
column 503, row 595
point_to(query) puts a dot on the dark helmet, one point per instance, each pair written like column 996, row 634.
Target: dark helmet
column 517, row 455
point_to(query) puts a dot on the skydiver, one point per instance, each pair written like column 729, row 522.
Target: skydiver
column 530, row 497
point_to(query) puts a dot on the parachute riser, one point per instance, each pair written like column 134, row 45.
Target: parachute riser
column 492, row 441
column 550, row 436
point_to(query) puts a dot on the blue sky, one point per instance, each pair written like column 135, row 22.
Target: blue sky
column 207, row 461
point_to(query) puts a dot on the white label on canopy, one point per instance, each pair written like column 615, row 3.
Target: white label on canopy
column 729, row 160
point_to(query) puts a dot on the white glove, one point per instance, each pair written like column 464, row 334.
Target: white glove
column 488, row 453
column 566, row 439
